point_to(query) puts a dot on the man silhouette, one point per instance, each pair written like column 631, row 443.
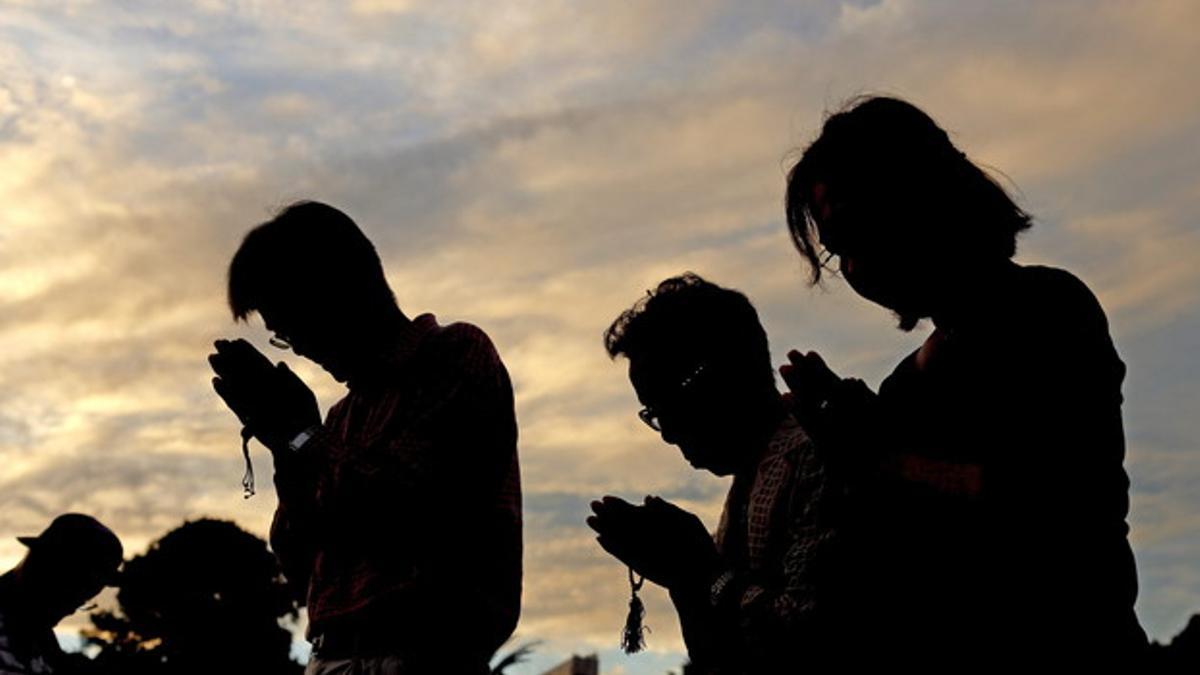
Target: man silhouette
column 65, row 566
column 758, row 599
column 400, row 515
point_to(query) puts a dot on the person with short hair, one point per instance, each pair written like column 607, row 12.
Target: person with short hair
column 989, row 467
column 761, row 597
column 66, row 565
column 399, row 517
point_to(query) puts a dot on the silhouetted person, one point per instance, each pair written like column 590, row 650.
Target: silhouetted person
column 400, row 514
column 66, row 565
column 757, row 599
column 989, row 465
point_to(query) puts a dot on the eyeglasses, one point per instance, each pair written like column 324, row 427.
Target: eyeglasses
column 651, row 415
column 279, row 341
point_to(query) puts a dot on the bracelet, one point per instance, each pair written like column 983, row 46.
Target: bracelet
column 303, row 437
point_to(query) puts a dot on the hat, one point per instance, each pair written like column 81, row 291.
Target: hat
column 81, row 535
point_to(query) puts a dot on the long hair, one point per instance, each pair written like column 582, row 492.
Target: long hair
column 891, row 160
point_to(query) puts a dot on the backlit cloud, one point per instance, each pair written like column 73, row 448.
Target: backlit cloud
column 533, row 168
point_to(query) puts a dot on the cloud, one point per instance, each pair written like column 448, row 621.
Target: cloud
column 533, row 168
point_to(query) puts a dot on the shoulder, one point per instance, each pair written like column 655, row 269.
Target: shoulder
column 463, row 339
column 1058, row 297
column 791, row 446
column 464, row 334
column 1064, row 326
column 463, row 347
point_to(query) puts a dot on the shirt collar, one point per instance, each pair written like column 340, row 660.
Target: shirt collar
column 401, row 352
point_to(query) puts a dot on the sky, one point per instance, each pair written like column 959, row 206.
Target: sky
column 533, row 167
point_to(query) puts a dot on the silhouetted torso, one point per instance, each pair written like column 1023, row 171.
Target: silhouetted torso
column 999, row 530
column 778, row 533
column 411, row 537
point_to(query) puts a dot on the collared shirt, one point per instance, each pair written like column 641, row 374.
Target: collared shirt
column 778, row 534
column 404, row 517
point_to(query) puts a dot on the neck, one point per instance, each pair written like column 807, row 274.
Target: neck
column 381, row 334
column 769, row 413
column 973, row 292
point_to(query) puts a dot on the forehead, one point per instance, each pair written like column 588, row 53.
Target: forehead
column 653, row 374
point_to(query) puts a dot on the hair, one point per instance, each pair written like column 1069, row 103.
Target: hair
column 688, row 312
column 311, row 252
column 882, row 152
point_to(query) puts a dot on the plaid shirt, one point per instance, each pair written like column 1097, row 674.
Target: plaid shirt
column 406, row 510
column 777, row 535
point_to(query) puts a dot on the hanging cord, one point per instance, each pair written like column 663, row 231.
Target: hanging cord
column 633, row 638
column 248, row 477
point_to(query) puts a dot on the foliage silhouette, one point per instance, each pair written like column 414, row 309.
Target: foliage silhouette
column 206, row 597
column 515, row 657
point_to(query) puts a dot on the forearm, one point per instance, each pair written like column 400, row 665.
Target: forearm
column 711, row 636
column 293, row 540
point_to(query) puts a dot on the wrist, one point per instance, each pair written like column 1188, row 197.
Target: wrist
column 699, row 578
column 298, row 440
column 296, row 464
column 284, row 434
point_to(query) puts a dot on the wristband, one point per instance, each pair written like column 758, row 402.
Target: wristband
column 302, row 438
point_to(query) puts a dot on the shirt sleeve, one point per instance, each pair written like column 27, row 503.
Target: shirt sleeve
column 769, row 613
column 772, row 612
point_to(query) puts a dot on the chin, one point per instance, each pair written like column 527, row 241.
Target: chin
column 705, row 464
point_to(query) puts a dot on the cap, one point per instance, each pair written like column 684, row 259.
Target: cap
column 77, row 534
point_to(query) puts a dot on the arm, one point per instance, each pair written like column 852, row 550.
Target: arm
column 841, row 415
column 785, row 611
column 1071, row 431
column 293, row 528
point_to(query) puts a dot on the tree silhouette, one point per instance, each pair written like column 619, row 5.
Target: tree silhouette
column 205, row 598
column 515, row 657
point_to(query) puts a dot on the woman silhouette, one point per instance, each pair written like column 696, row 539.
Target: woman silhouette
column 988, row 468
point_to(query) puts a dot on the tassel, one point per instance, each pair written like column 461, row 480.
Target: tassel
column 633, row 638
column 248, row 477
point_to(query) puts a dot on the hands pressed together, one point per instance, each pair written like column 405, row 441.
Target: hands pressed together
column 670, row 546
column 269, row 399
column 659, row 540
column 811, row 386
